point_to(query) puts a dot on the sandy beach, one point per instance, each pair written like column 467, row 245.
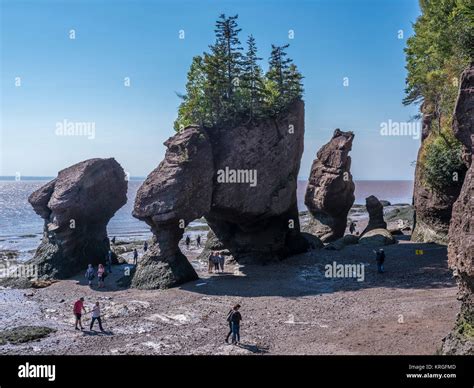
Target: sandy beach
column 289, row 307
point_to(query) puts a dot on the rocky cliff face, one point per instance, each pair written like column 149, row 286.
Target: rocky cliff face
column 330, row 192
column 461, row 230
column 433, row 208
column 242, row 179
column 178, row 191
column 76, row 207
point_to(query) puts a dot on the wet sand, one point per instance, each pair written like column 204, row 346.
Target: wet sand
column 288, row 307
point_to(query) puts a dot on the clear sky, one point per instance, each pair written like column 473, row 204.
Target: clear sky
column 82, row 79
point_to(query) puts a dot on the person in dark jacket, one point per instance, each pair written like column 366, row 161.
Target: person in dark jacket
column 352, row 227
column 135, row 256
column 236, row 318
column 229, row 321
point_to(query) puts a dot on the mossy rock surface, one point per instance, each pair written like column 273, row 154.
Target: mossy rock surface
column 22, row 334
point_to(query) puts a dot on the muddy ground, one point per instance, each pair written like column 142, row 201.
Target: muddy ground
column 288, row 307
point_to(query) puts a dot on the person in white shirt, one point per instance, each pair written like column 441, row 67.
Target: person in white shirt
column 96, row 316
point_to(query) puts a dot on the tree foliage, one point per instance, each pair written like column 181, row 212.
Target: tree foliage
column 442, row 164
column 228, row 86
column 441, row 48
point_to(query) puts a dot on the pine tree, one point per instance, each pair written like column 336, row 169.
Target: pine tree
column 195, row 108
column 226, row 87
column 227, row 48
column 252, row 82
column 294, row 86
column 283, row 76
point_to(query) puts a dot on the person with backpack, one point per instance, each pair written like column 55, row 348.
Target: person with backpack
column 101, row 275
column 90, row 274
column 236, row 318
column 78, row 309
column 96, row 317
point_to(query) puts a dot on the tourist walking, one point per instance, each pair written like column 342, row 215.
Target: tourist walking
column 188, row 241
column 210, row 261
column 215, row 260
column 96, row 316
column 113, row 240
column 135, row 256
column 145, row 246
column 221, row 260
column 90, row 274
column 78, row 310
column 229, row 321
column 236, row 318
column 101, row 275
column 352, row 227
column 198, row 241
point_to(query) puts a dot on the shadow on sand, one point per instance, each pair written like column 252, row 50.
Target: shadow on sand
column 407, row 265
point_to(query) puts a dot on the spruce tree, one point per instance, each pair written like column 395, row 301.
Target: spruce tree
column 283, row 76
column 252, row 79
column 227, row 49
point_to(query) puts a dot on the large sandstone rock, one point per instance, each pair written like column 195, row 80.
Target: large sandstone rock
column 433, row 208
column 256, row 219
column 178, row 191
column 463, row 121
column 375, row 209
column 330, row 192
column 76, row 207
column 461, row 230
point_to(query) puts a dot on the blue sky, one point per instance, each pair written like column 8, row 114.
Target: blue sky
column 82, row 80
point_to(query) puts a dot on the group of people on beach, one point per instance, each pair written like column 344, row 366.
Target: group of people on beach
column 216, row 262
column 79, row 309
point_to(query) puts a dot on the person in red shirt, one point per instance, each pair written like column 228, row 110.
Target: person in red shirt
column 78, row 309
